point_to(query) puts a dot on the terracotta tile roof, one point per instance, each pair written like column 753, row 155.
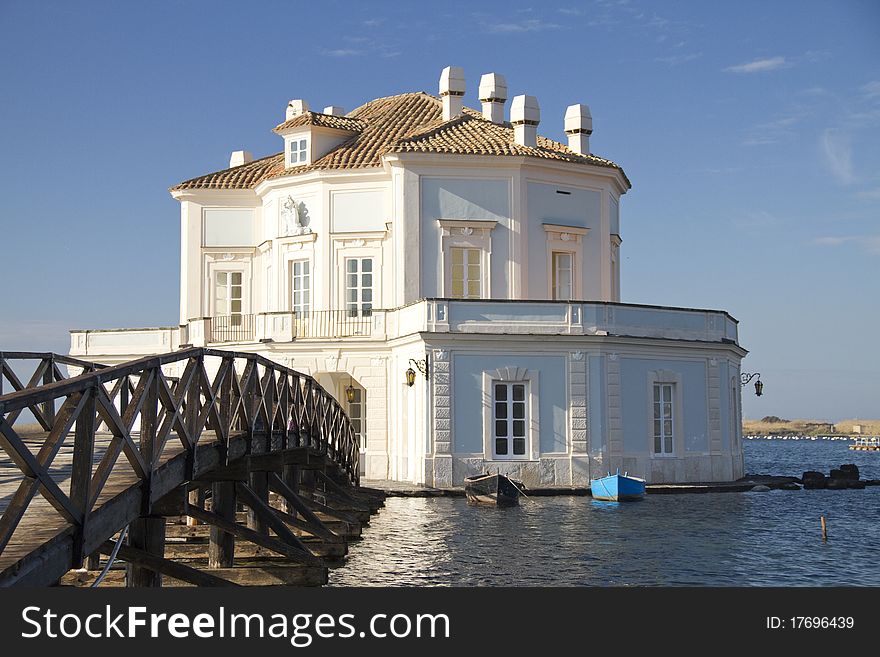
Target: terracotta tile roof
column 245, row 176
column 410, row 122
column 471, row 134
column 325, row 120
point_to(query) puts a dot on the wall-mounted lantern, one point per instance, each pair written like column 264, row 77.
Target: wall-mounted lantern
column 745, row 377
column 349, row 391
column 421, row 366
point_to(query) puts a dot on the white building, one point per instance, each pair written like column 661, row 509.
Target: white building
column 415, row 233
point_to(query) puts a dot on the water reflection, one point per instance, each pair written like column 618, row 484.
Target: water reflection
column 724, row 539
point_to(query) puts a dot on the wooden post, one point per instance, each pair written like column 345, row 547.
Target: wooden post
column 307, row 479
column 221, row 551
column 147, row 533
column 290, row 475
column 824, row 528
column 259, row 483
column 197, row 497
column 49, row 377
column 81, row 471
column 149, row 428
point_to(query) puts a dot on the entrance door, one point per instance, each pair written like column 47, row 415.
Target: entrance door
column 357, row 413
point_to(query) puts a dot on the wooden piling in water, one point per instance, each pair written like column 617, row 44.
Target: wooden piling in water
column 147, row 534
column 197, row 497
column 221, row 551
column 824, row 528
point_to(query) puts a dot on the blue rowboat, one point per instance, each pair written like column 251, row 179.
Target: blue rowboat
column 618, row 488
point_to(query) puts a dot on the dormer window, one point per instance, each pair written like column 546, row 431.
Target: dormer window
column 298, row 151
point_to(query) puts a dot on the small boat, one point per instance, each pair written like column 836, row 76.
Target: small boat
column 492, row 490
column 618, row 488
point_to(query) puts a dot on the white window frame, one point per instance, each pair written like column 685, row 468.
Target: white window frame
column 511, row 375
column 227, row 262
column 227, row 287
column 302, row 309
column 299, row 145
column 565, row 239
column 509, row 405
column 673, row 379
column 466, row 234
column 554, row 275
column 466, row 264
column 355, row 245
column 360, row 287
column 663, row 419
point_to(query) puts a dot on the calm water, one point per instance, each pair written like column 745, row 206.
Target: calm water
column 724, row 539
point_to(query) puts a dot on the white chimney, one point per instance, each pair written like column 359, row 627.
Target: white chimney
column 240, row 157
column 525, row 115
column 493, row 95
column 296, row 107
column 451, row 91
column 579, row 127
column 334, row 110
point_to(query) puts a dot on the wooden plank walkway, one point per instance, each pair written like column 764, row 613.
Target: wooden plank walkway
column 157, row 438
column 254, row 565
column 41, row 523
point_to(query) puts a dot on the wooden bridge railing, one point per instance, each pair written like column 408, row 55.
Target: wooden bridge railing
column 148, row 406
column 45, row 371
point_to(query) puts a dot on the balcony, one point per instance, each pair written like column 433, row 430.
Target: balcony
column 232, row 328
column 491, row 317
column 288, row 326
column 571, row 318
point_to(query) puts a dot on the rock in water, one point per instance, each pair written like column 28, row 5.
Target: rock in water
column 850, row 471
column 790, row 485
column 813, row 479
column 760, row 488
column 837, row 484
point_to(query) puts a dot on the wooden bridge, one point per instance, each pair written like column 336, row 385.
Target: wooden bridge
column 249, row 476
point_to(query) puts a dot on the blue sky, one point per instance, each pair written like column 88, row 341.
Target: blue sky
column 750, row 130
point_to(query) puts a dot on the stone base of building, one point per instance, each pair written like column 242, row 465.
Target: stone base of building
column 450, row 471
column 677, row 470
column 443, row 471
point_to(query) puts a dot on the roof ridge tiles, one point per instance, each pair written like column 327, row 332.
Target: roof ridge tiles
column 406, row 122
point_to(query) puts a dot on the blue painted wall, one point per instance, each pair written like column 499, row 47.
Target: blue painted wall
column 580, row 208
column 468, row 399
column 464, row 198
column 634, row 402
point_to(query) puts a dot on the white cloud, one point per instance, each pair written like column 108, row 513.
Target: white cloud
column 531, row 25
column 871, row 89
column 343, row 52
column 868, row 243
column 837, row 151
column 781, row 128
column 832, row 241
column 760, row 140
column 759, row 65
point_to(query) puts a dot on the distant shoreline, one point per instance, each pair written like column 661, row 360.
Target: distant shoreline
column 774, row 426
